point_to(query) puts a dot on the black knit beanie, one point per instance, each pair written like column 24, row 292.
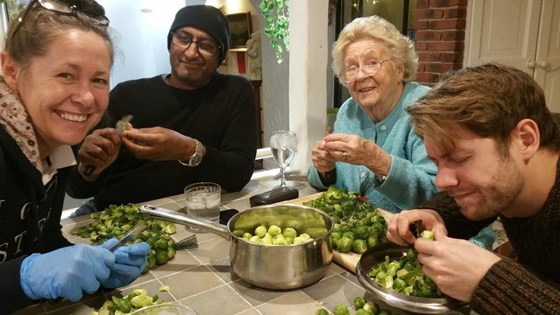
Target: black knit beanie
column 206, row 18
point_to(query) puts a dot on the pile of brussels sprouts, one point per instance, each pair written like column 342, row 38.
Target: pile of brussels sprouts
column 361, row 306
column 133, row 301
column 358, row 224
column 116, row 221
column 405, row 275
column 274, row 235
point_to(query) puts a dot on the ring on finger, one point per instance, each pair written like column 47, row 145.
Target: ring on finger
column 343, row 156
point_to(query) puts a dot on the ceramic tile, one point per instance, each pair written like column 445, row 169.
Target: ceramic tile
column 191, row 281
column 222, row 268
column 212, row 250
column 293, row 303
column 255, row 295
column 251, row 311
column 334, row 290
column 220, row 300
column 183, row 260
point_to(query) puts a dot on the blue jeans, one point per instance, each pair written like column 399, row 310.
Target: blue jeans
column 87, row 207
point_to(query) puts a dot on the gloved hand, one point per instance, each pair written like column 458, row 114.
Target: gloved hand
column 66, row 272
column 130, row 262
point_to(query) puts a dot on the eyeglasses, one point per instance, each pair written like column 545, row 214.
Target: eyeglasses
column 371, row 67
column 204, row 47
column 60, row 7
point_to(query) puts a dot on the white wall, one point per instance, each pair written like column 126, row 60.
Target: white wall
column 139, row 29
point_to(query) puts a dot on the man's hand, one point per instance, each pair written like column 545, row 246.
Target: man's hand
column 456, row 266
column 158, row 144
column 99, row 150
column 398, row 230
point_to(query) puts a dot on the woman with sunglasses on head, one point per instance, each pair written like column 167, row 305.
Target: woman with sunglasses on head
column 373, row 149
column 54, row 88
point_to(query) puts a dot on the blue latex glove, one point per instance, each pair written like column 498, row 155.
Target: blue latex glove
column 66, row 272
column 130, row 262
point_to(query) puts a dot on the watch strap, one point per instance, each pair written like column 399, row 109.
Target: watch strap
column 196, row 157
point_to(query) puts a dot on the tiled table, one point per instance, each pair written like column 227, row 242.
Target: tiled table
column 201, row 278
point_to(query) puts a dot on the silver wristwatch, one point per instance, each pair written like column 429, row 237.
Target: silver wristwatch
column 196, row 158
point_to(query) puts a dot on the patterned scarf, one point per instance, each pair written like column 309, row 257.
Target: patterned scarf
column 17, row 123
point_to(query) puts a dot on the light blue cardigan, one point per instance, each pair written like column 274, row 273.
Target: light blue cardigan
column 411, row 179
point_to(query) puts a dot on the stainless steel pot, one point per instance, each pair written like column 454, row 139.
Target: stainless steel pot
column 277, row 267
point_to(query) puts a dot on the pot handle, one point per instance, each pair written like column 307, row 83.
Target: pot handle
column 186, row 219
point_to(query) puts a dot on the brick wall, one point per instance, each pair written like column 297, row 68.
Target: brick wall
column 440, row 37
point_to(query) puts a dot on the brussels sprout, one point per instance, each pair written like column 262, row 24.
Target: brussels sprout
column 160, row 244
column 274, row 230
column 341, row 309
column 344, row 245
column 260, row 231
column 238, row 233
column 427, row 234
column 289, row 232
column 359, row 246
column 322, row 311
column 360, row 231
column 267, row 239
column 359, row 302
column 161, row 257
column 141, row 300
column 255, row 239
column 370, row 306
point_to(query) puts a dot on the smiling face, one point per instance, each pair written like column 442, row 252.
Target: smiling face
column 191, row 69
column 66, row 90
column 483, row 182
column 376, row 94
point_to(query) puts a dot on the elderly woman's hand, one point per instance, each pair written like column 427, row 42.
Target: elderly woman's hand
column 356, row 150
column 323, row 161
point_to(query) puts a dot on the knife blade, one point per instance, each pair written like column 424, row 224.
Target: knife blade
column 120, row 126
column 137, row 229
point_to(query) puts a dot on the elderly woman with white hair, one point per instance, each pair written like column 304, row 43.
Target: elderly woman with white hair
column 373, row 149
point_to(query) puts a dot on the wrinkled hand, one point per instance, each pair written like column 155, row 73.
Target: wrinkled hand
column 323, row 161
column 66, row 272
column 156, row 144
column 455, row 265
column 99, row 149
column 347, row 148
column 356, row 150
column 130, row 262
column 398, row 230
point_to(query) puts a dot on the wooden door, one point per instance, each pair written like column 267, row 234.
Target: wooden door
column 547, row 61
column 521, row 33
column 503, row 31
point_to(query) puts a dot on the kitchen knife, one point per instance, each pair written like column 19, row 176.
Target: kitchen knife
column 137, row 229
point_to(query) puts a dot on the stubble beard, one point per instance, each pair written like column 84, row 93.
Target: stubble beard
column 500, row 193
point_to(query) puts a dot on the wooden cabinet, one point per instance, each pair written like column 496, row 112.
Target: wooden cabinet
column 520, row 33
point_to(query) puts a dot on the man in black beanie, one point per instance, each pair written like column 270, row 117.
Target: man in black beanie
column 191, row 125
